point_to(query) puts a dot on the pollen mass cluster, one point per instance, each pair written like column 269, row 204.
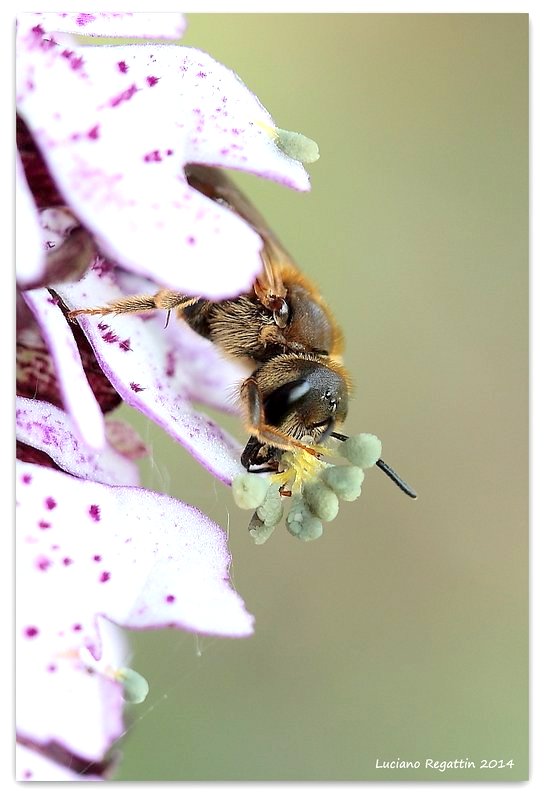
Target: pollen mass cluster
column 308, row 485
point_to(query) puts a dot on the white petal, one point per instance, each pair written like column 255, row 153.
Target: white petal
column 150, row 374
column 50, row 429
column 85, row 551
column 29, row 252
column 78, row 397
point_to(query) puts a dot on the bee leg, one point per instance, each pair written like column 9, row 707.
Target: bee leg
column 258, row 427
column 165, row 299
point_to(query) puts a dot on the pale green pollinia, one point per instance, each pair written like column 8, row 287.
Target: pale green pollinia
column 135, row 686
column 297, row 146
column 249, row 491
column 301, row 523
column 362, row 450
column 321, row 500
column 345, row 481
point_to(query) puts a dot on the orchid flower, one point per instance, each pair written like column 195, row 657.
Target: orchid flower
column 104, row 210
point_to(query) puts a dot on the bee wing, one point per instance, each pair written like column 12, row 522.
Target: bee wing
column 216, row 185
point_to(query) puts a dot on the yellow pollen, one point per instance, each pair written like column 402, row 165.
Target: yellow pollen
column 300, row 466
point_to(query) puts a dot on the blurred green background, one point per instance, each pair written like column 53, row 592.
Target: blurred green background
column 403, row 631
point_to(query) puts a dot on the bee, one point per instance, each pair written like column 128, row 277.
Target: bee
column 298, row 392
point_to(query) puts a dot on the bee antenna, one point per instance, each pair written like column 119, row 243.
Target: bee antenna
column 168, row 317
column 392, row 474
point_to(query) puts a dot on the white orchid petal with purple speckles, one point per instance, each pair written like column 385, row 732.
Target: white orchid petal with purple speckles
column 29, row 251
column 116, row 126
column 85, row 551
column 49, row 429
column 209, row 376
column 149, row 373
column 162, row 25
column 32, row 766
column 52, row 665
column 78, row 398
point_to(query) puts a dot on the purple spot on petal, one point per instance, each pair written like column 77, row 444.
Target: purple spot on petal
column 31, row 631
column 76, row 62
column 125, row 345
column 84, row 19
column 76, row 627
column 136, row 387
column 201, row 74
column 94, row 132
column 122, row 67
column 169, row 152
column 27, row 774
column 67, row 561
column 97, row 558
column 171, row 364
column 51, row 667
column 43, row 524
column 154, row 155
column 152, row 80
column 190, row 239
column 104, row 577
column 94, row 513
column 53, row 300
column 109, row 337
column 43, row 563
column 123, row 96
column 50, row 503
column 170, row 598
column 26, row 478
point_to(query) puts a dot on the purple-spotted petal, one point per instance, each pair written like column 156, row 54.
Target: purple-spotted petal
column 208, row 376
column 151, row 374
column 78, row 398
column 87, row 551
column 116, row 126
column 49, row 429
column 29, row 254
column 147, row 26
column 52, row 665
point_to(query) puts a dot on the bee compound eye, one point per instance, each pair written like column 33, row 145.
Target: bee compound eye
column 281, row 315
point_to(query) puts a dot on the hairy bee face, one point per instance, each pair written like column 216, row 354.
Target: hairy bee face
column 303, row 395
column 301, row 398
